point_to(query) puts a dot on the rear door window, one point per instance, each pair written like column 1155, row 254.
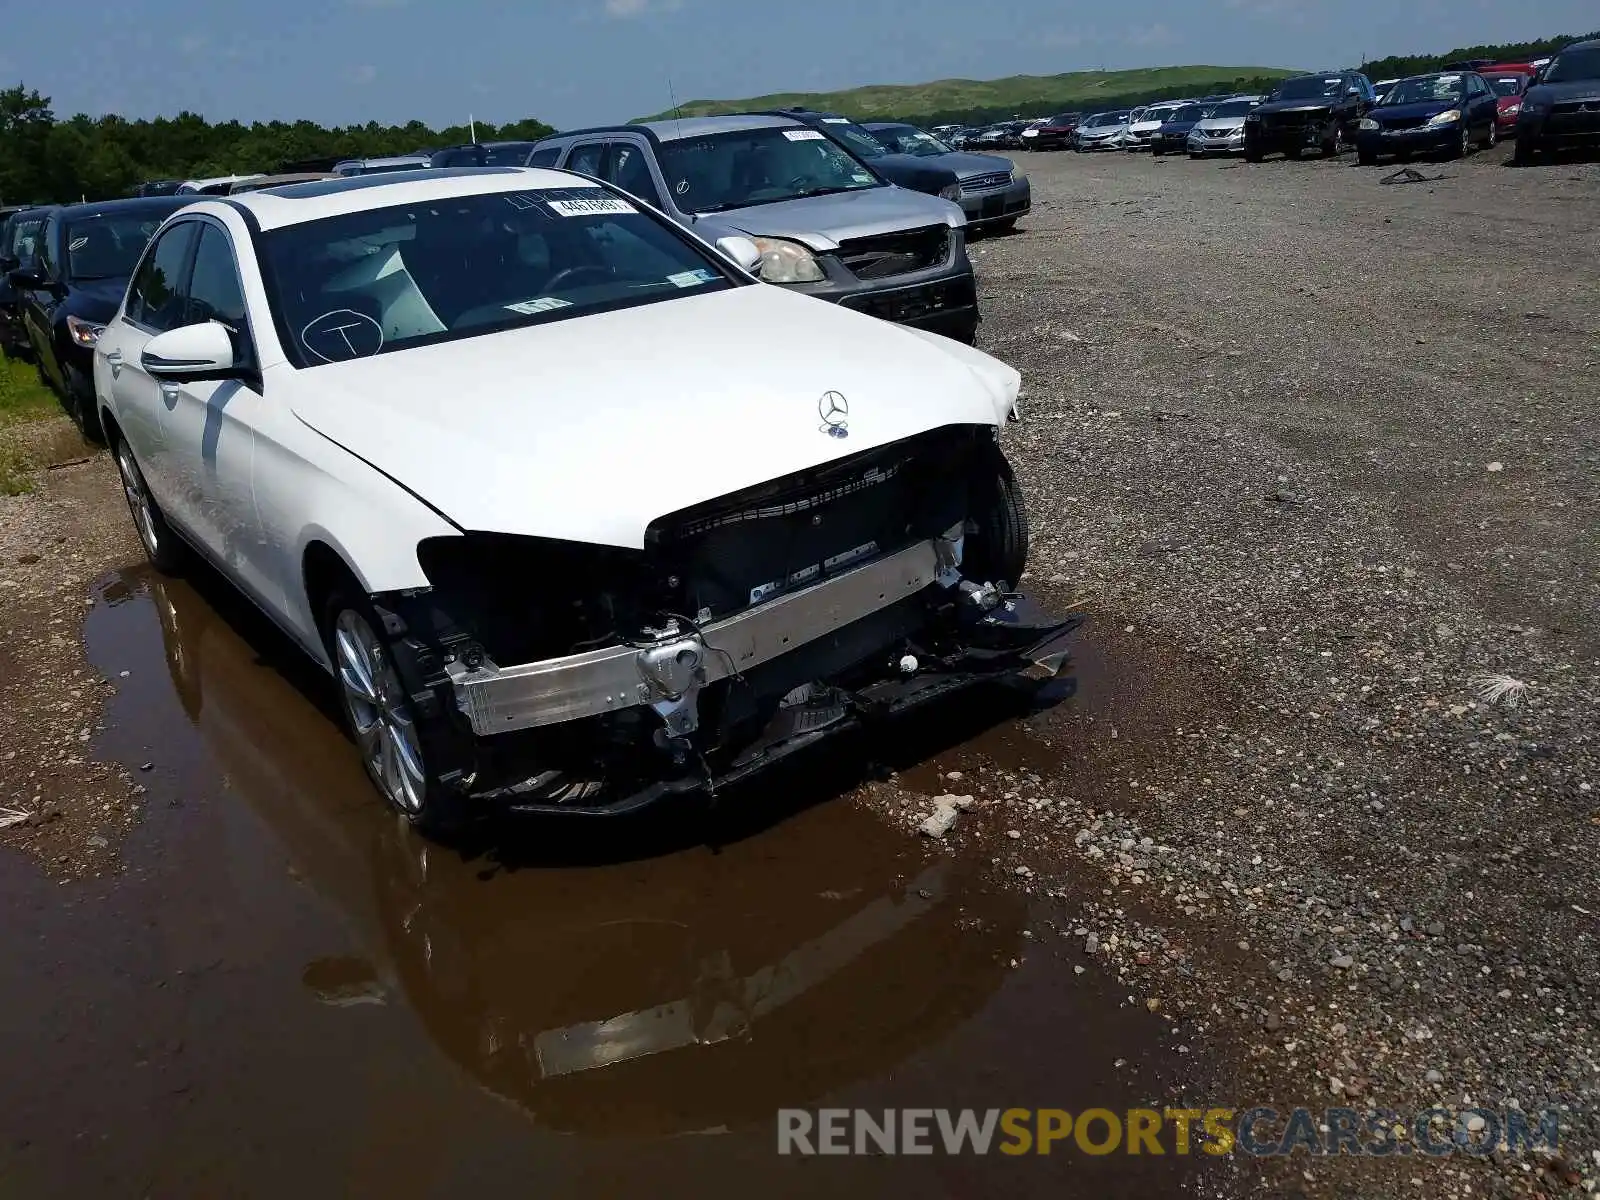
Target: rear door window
column 587, row 158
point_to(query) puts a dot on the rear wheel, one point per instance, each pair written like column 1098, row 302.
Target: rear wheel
column 1462, row 146
column 997, row 543
column 1491, row 137
column 379, row 717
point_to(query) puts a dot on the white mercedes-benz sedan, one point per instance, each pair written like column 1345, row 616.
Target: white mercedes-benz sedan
column 576, row 512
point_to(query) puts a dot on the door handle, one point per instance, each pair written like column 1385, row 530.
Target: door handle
column 114, row 361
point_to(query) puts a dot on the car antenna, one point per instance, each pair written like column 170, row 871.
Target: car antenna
column 472, row 127
column 677, row 117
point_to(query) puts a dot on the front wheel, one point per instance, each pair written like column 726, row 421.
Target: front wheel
column 1252, row 154
column 997, row 545
column 1492, row 137
column 1526, row 153
column 163, row 547
column 1367, row 158
column 379, row 718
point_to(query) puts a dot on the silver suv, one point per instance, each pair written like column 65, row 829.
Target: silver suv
column 825, row 222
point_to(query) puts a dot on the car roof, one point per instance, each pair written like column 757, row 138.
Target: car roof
column 1591, row 44
column 132, row 204
column 296, row 203
column 693, row 127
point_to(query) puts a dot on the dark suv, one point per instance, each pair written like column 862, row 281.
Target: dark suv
column 1321, row 111
column 1562, row 108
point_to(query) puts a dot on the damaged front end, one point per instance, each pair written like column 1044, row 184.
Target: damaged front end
column 551, row 676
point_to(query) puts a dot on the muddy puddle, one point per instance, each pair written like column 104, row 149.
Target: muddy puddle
column 286, row 992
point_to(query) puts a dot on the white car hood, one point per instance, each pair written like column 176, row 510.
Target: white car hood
column 1215, row 125
column 590, row 428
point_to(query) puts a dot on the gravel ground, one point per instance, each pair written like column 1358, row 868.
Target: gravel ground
column 1319, row 456
column 59, row 805
column 1321, row 453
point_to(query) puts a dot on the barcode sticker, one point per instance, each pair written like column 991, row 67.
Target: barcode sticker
column 803, row 135
column 600, row 206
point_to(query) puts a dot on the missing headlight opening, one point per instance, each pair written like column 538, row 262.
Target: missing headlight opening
column 744, row 628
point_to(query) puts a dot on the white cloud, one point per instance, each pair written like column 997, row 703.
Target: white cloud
column 364, row 74
column 624, row 9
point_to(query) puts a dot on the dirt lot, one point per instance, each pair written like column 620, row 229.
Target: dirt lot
column 1320, row 457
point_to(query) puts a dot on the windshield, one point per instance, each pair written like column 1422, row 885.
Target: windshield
column 510, row 154
column 1189, row 112
column 1307, row 87
column 1233, row 108
column 908, row 139
column 1505, row 85
column 108, row 247
column 758, row 166
column 1425, row 88
column 20, row 238
column 861, row 143
column 1575, row 64
column 389, row 278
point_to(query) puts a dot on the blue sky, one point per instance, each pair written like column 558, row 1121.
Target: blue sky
column 586, row 61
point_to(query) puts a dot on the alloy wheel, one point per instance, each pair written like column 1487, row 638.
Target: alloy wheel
column 144, row 517
column 380, row 718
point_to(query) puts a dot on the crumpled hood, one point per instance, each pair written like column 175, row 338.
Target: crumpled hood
column 967, row 165
column 1296, row 106
column 590, row 428
column 822, row 222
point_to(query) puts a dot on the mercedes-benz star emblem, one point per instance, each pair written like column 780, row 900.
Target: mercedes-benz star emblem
column 833, row 408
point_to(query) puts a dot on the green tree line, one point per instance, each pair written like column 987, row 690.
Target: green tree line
column 1398, row 66
column 43, row 158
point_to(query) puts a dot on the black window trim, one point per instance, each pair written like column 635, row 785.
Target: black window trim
column 249, row 373
column 149, row 253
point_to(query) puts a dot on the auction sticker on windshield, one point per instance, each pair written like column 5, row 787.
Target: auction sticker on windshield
column 600, row 206
column 542, row 304
column 695, row 278
column 802, row 135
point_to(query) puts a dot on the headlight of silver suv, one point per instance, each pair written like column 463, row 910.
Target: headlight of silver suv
column 951, row 191
column 784, row 261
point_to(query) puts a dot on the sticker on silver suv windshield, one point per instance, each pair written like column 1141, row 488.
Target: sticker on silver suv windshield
column 803, row 135
column 600, row 206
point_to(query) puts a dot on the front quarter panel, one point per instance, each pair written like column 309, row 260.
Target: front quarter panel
column 308, row 489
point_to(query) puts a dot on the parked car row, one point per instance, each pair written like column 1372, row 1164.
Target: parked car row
column 519, row 601
column 1545, row 106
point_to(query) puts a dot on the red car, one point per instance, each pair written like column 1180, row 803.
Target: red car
column 1509, row 81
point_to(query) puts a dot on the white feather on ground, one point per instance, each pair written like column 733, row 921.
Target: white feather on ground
column 1496, row 689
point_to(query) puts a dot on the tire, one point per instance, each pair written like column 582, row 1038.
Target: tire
column 1367, row 158
column 1193, row 156
column 1156, row 151
column 378, row 716
column 997, row 545
column 1251, row 154
column 1526, row 153
column 1330, row 145
column 81, row 407
column 165, row 549
column 1491, row 138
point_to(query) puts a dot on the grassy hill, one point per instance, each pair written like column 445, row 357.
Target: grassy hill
column 994, row 99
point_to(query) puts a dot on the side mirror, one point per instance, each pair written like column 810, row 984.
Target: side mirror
column 203, row 351
column 742, row 250
column 27, row 278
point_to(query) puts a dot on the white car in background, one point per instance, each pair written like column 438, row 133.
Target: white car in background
column 576, row 511
column 1143, row 123
column 1101, row 131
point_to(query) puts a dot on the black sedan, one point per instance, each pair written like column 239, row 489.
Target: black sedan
column 83, row 259
column 1562, row 108
column 18, row 233
column 1447, row 113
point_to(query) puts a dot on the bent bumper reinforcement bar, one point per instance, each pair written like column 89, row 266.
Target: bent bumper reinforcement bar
column 502, row 699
